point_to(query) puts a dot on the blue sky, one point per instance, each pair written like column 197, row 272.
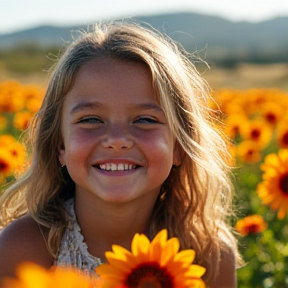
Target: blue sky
column 21, row 14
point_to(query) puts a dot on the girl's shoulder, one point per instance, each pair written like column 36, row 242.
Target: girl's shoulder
column 226, row 277
column 22, row 241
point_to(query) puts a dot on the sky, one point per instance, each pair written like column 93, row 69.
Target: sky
column 18, row 15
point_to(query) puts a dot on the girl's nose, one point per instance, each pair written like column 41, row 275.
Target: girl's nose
column 117, row 137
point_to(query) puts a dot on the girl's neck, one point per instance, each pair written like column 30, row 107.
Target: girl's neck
column 104, row 224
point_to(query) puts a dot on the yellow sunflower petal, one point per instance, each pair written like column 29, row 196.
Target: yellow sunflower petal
column 33, row 276
column 119, row 264
column 71, row 278
column 140, row 244
column 283, row 210
column 121, row 253
column 281, row 214
column 120, row 257
column 195, row 271
column 117, row 249
column 161, row 237
column 169, row 251
column 127, row 259
column 106, row 270
column 157, row 244
column 185, row 256
column 276, row 203
column 155, row 252
column 176, row 268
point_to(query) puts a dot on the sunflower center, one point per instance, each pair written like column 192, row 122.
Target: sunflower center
column 271, row 118
column 285, row 138
column 3, row 166
column 250, row 152
column 149, row 275
column 235, row 130
column 255, row 134
column 283, row 183
column 253, row 228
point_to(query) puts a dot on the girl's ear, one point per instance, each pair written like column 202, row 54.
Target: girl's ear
column 177, row 154
column 61, row 153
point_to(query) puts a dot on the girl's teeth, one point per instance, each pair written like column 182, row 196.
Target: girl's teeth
column 116, row 167
column 121, row 167
column 102, row 166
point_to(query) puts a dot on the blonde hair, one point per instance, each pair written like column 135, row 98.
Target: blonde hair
column 194, row 201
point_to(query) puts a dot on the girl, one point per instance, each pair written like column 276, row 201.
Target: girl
column 123, row 143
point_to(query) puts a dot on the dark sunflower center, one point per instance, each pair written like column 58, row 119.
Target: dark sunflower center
column 271, row 118
column 236, row 129
column 283, row 183
column 149, row 275
column 255, row 134
column 3, row 166
column 285, row 138
column 250, row 152
column 253, row 228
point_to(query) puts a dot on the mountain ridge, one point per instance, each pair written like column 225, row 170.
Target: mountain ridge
column 216, row 36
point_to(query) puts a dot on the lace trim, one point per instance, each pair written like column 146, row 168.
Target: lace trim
column 73, row 249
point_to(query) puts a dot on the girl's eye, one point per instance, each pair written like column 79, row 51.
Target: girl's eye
column 90, row 120
column 146, row 120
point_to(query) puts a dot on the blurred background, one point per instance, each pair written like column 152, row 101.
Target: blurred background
column 244, row 42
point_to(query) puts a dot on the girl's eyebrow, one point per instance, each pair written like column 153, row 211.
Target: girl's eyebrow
column 84, row 105
column 148, row 106
column 97, row 105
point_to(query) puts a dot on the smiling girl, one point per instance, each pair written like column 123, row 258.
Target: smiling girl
column 122, row 144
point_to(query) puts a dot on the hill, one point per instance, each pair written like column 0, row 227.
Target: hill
column 216, row 38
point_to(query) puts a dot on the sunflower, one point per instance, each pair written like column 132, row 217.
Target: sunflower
column 259, row 132
column 6, row 140
column 151, row 264
column 249, row 152
column 19, row 156
column 21, row 120
column 272, row 112
column 234, row 124
column 251, row 224
column 282, row 134
column 6, row 164
column 33, row 97
column 11, row 99
column 13, row 155
column 274, row 189
column 30, row 275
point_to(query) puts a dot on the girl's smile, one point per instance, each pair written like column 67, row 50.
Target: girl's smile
column 116, row 141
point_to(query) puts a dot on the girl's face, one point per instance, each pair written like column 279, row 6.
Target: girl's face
column 116, row 141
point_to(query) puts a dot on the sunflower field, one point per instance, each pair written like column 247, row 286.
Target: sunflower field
column 256, row 124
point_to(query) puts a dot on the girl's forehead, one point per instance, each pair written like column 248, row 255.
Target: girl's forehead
column 109, row 79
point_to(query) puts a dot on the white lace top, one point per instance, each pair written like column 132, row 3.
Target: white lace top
column 73, row 250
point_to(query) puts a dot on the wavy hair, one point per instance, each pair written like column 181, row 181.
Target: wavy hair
column 195, row 199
